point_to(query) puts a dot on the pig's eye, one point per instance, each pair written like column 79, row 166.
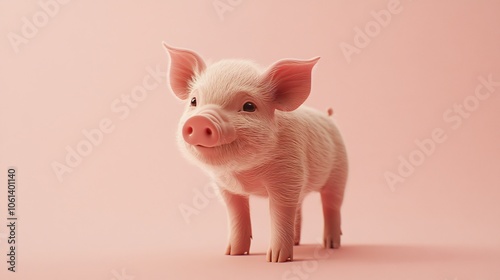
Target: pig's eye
column 193, row 102
column 249, row 107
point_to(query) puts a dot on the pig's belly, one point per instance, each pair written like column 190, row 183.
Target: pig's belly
column 251, row 186
column 246, row 190
column 258, row 190
column 242, row 185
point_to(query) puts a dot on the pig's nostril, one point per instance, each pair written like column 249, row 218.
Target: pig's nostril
column 190, row 130
column 208, row 131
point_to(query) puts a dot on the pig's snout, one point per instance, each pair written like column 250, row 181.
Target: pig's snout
column 207, row 130
column 199, row 130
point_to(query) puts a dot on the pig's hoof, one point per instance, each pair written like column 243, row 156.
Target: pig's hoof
column 238, row 248
column 331, row 243
column 277, row 254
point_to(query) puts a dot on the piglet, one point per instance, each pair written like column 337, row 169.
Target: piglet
column 246, row 127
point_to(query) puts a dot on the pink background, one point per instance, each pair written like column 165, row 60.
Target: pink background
column 119, row 208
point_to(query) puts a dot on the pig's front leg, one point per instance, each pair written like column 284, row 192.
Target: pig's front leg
column 240, row 229
column 282, row 229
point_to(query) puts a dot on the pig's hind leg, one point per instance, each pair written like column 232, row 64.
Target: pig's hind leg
column 331, row 197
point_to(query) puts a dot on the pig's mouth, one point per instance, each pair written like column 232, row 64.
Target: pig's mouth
column 199, row 146
column 202, row 148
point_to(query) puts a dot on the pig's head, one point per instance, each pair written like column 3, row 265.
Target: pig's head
column 229, row 120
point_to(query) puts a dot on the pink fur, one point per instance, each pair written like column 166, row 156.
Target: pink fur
column 282, row 150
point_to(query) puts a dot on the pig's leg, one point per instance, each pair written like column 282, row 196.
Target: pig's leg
column 298, row 224
column 282, row 230
column 240, row 229
column 331, row 199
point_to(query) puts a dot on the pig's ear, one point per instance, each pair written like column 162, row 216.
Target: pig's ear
column 184, row 66
column 291, row 82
